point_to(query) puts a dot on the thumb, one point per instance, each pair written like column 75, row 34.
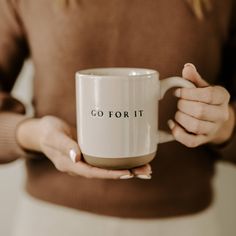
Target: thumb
column 190, row 73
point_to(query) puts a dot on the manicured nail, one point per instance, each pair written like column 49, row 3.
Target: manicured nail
column 144, row 176
column 73, row 155
column 191, row 65
column 177, row 93
column 171, row 124
column 127, row 176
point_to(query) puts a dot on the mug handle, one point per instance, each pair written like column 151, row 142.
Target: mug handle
column 165, row 85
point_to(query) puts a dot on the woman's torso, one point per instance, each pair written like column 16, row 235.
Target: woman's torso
column 152, row 34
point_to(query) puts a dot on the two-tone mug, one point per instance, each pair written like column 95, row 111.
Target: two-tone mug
column 117, row 115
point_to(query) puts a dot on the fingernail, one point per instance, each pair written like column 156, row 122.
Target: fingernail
column 177, row 93
column 171, row 124
column 126, row 176
column 144, row 176
column 191, row 65
column 73, row 155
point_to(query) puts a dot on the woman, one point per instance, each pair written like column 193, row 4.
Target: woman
column 62, row 37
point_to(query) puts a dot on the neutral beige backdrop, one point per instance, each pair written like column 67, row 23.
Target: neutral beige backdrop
column 12, row 177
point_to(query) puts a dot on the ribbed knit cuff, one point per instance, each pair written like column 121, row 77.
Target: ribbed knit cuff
column 227, row 150
column 10, row 150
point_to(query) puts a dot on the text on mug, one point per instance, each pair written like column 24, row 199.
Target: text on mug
column 117, row 114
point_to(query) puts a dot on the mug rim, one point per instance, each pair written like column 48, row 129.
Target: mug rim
column 88, row 72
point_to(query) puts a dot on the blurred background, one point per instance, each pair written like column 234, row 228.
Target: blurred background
column 12, row 176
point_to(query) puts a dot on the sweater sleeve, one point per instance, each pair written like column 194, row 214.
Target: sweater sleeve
column 227, row 77
column 13, row 51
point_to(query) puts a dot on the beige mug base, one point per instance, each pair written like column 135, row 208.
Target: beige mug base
column 117, row 163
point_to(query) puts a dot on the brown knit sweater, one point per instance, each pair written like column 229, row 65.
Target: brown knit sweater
column 157, row 34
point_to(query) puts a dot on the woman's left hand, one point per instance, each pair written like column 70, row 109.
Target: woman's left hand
column 204, row 114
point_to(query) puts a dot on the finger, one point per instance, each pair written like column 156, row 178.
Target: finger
column 142, row 170
column 189, row 140
column 194, row 125
column 190, row 73
column 64, row 144
column 203, row 111
column 215, row 95
column 64, row 164
column 88, row 171
column 60, row 161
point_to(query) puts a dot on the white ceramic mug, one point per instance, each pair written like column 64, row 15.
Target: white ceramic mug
column 117, row 115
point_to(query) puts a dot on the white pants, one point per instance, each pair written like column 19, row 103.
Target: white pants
column 39, row 218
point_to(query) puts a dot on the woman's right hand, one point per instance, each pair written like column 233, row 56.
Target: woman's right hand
column 55, row 138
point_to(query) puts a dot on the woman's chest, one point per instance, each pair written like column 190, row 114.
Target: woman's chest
column 162, row 35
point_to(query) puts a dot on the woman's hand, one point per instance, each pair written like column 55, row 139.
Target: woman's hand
column 56, row 139
column 204, row 114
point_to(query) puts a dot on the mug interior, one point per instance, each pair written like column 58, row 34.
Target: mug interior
column 118, row 71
